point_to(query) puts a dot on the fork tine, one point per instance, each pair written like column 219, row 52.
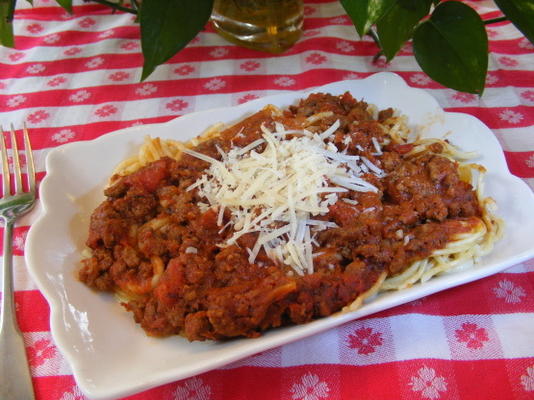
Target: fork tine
column 6, row 190
column 29, row 159
column 16, row 162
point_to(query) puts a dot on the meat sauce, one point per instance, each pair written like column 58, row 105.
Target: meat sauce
column 152, row 244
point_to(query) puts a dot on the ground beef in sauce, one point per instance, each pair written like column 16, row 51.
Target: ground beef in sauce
column 149, row 226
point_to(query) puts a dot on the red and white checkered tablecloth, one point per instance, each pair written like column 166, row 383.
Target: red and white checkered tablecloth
column 76, row 77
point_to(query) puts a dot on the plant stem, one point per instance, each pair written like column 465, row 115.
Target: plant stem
column 374, row 36
column 11, row 11
column 377, row 41
column 115, row 6
column 495, row 20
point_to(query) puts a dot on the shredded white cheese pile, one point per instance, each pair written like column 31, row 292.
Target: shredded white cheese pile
column 278, row 191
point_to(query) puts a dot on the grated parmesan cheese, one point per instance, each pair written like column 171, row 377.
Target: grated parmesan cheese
column 275, row 186
column 378, row 149
column 350, row 201
column 191, row 250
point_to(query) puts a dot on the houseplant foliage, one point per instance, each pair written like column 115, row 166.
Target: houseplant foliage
column 449, row 37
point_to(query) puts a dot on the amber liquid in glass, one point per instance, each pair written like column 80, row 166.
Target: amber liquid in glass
column 268, row 25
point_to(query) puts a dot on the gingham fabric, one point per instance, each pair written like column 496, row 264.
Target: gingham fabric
column 76, row 77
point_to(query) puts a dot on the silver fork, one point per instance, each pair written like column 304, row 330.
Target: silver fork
column 15, row 378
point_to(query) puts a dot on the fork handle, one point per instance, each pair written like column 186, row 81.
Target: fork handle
column 15, row 378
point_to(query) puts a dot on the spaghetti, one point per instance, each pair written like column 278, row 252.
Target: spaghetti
column 287, row 216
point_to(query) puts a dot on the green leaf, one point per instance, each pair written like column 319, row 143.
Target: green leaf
column 365, row 13
column 6, row 23
column 521, row 13
column 452, row 47
column 66, row 4
column 167, row 26
column 398, row 23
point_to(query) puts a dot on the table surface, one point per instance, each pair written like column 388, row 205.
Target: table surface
column 76, row 77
